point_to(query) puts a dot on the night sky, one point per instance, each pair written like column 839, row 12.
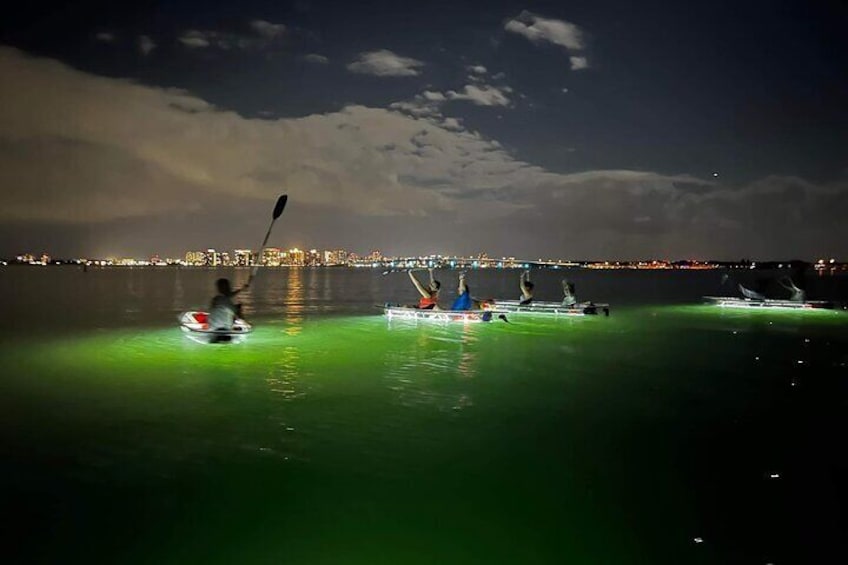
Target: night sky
column 585, row 129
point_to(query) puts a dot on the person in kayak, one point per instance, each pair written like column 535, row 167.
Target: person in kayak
column 222, row 311
column 430, row 295
column 795, row 283
column 526, row 287
column 463, row 301
column 797, row 294
column 569, row 298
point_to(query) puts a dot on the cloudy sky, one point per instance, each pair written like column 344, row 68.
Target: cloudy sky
column 585, row 129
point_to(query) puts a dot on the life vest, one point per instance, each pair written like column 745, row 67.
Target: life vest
column 428, row 302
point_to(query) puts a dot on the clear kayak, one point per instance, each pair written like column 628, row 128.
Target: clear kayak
column 548, row 308
column 195, row 326
column 733, row 302
column 398, row 312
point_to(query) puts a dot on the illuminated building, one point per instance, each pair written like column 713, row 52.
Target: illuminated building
column 213, row 258
column 314, row 258
column 271, row 257
column 335, row 257
column 297, row 257
column 195, row 258
column 243, row 258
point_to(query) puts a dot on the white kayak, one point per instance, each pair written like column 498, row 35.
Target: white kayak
column 548, row 308
column 398, row 312
column 733, row 302
column 195, row 326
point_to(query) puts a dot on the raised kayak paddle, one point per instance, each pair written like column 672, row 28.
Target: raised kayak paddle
column 278, row 211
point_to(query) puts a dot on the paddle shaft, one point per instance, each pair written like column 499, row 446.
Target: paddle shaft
column 261, row 249
column 278, row 210
column 403, row 271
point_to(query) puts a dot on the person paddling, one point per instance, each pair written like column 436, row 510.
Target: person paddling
column 569, row 298
column 463, row 301
column 797, row 294
column 222, row 310
column 526, row 289
column 430, row 295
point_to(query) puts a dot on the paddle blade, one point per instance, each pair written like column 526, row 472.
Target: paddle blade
column 281, row 204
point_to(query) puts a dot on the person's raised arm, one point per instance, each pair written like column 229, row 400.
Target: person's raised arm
column 461, row 287
column 525, row 285
column 238, row 290
column 417, row 284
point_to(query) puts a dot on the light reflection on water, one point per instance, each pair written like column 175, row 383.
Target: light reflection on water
column 433, row 355
column 293, row 305
column 285, row 376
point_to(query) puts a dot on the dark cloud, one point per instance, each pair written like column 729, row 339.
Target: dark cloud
column 90, row 164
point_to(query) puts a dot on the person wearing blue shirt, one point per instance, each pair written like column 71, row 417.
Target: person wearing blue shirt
column 463, row 301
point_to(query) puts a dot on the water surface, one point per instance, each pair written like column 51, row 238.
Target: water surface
column 333, row 436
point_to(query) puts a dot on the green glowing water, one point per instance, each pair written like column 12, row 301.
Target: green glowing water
column 349, row 439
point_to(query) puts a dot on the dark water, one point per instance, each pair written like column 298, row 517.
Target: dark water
column 332, row 436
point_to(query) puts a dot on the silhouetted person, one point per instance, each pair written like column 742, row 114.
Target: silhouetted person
column 526, row 287
column 569, row 296
column 222, row 311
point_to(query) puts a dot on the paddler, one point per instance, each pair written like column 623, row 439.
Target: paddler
column 526, row 287
column 430, row 295
column 222, row 311
column 569, row 298
column 463, row 301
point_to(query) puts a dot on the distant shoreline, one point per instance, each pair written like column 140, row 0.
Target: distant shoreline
column 458, row 265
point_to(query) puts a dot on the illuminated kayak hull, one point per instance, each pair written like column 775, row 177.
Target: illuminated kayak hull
column 549, row 308
column 406, row 313
column 195, row 326
column 733, row 302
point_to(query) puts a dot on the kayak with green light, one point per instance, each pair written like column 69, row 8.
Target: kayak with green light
column 548, row 308
column 733, row 302
column 195, row 325
column 408, row 313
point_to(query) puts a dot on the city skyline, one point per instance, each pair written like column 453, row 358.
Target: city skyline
column 589, row 129
column 295, row 257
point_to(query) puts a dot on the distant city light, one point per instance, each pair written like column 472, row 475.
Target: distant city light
column 275, row 257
